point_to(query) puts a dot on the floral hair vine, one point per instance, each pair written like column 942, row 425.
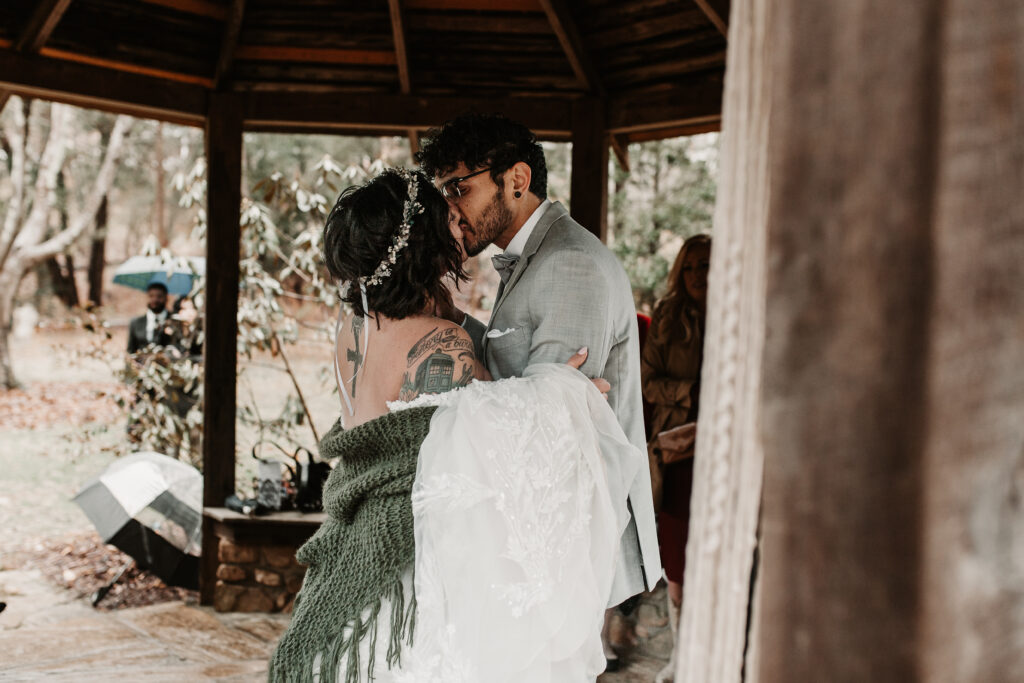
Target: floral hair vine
column 410, row 210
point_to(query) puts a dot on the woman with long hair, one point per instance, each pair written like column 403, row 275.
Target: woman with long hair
column 670, row 373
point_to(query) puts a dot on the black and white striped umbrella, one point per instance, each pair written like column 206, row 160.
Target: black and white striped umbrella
column 150, row 506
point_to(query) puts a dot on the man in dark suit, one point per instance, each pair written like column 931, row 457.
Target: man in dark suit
column 149, row 328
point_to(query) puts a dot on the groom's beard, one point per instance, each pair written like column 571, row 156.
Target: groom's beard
column 496, row 219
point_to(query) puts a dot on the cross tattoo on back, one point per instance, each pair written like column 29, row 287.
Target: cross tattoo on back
column 355, row 356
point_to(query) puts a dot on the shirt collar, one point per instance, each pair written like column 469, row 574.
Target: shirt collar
column 518, row 243
column 159, row 317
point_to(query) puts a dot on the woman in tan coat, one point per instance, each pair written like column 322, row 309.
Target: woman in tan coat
column 670, row 372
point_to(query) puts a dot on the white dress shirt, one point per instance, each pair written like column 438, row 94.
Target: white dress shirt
column 518, row 243
column 154, row 321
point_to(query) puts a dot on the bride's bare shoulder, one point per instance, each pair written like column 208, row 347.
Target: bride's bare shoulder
column 439, row 358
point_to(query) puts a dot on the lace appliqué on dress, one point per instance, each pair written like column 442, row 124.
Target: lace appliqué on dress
column 516, row 531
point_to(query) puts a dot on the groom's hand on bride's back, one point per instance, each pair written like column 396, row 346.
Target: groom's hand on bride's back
column 577, row 361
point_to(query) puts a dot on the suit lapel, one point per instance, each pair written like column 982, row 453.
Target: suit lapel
column 551, row 215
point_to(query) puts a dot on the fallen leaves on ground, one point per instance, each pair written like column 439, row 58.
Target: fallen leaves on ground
column 67, row 403
column 84, row 564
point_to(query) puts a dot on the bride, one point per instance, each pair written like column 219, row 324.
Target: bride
column 472, row 525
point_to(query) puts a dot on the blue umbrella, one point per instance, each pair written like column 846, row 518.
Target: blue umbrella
column 139, row 272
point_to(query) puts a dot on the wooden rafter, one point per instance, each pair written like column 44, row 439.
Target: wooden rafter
column 199, row 7
column 717, row 12
column 402, row 62
column 477, row 5
column 571, row 41
column 100, row 88
column 549, row 117
column 679, row 106
column 316, row 55
column 398, row 33
column 126, row 67
column 40, row 25
column 710, row 126
column 229, row 41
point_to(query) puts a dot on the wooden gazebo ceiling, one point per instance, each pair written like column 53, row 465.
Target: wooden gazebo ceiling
column 376, row 65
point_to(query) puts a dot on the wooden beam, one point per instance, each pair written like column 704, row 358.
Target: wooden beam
column 711, row 126
column 319, row 55
column 338, row 112
column 476, row 5
column 717, row 12
column 199, row 7
column 126, row 67
column 89, row 86
column 620, row 146
column 402, row 61
column 223, row 203
column 571, row 41
column 398, row 35
column 481, row 23
column 680, row 105
column 229, row 41
column 589, row 184
column 41, row 24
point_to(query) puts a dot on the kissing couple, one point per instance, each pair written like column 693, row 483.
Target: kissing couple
column 490, row 500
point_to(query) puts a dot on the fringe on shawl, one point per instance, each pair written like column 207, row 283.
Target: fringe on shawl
column 346, row 641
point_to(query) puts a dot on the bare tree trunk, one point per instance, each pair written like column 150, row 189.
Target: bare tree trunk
column 98, row 256
column 61, row 267
column 62, row 275
column 159, row 220
column 8, row 288
column 30, row 245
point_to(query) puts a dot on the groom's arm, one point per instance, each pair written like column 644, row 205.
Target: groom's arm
column 569, row 309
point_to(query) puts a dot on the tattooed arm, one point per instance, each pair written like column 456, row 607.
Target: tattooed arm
column 440, row 361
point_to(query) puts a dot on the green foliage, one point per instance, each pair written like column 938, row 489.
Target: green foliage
column 668, row 195
column 290, row 183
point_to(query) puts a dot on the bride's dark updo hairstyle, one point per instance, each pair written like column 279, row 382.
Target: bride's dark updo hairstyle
column 363, row 225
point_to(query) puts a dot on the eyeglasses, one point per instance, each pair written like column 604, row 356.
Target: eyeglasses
column 452, row 189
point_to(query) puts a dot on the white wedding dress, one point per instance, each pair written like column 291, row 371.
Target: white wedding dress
column 519, row 503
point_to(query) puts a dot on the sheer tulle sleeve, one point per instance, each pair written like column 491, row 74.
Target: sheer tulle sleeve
column 519, row 505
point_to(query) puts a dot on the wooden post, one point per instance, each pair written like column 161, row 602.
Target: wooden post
column 729, row 458
column 885, row 184
column 224, row 183
column 589, row 186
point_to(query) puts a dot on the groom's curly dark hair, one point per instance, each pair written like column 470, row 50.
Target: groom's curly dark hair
column 479, row 140
column 362, row 227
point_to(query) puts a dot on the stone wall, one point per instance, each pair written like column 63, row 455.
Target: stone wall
column 256, row 578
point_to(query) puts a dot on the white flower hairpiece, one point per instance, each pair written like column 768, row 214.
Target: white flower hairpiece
column 410, row 209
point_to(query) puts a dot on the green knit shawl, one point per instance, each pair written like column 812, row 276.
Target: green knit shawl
column 359, row 554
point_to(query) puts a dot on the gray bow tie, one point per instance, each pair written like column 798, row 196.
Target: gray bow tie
column 505, row 264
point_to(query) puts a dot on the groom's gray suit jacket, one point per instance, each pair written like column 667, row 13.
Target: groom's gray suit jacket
column 568, row 291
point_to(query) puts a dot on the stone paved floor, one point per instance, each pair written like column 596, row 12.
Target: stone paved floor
column 47, row 634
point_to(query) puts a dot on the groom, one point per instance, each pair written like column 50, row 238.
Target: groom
column 561, row 289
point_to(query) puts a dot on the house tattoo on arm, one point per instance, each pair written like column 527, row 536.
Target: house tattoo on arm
column 439, row 362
